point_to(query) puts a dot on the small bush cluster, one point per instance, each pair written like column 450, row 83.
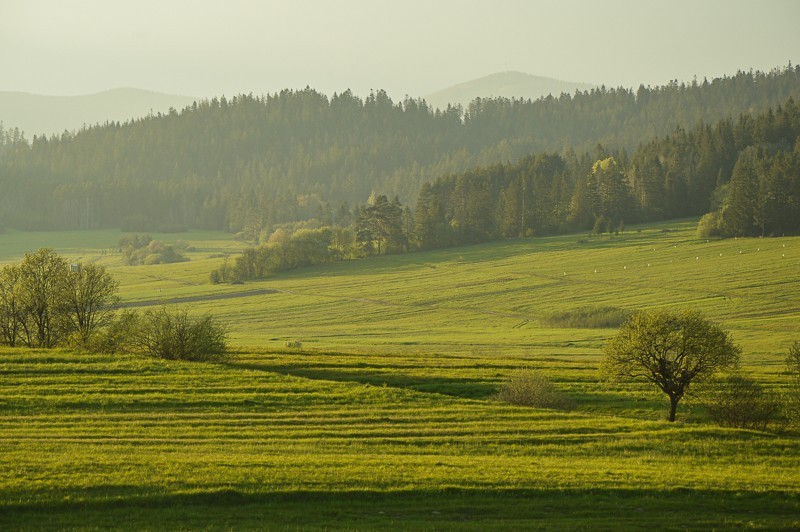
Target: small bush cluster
column 47, row 302
column 587, row 318
column 164, row 333
column 174, row 335
column 792, row 402
column 142, row 249
column 529, row 388
column 737, row 401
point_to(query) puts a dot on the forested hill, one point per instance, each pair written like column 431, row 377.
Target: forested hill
column 264, row 160
column 743, row 175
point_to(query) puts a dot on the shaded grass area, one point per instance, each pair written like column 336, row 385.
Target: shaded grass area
column 419, row 510
column 587, row 318
column 326, row 440
column 387, row 420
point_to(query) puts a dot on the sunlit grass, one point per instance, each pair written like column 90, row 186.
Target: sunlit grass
column 386, row 417
column 98, row 431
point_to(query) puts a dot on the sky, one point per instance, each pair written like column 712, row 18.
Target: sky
column 205, row 48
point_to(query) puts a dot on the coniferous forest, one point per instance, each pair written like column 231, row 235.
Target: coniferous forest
column 590, row 160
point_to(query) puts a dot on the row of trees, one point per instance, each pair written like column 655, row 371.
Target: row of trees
column 142, row 249
column 748, row 170
column 261, row 161
column 47, row 302
column 377, row 228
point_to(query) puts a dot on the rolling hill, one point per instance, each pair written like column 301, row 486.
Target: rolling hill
column 37, row 114
column 387, row 417
column 503, row 85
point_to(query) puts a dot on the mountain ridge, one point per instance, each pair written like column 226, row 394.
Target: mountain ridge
column 37, row 114
column 507, row 84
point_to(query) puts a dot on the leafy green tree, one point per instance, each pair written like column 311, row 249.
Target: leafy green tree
column 174, row 335
column 379, row 228
column 42, row 289
column 612, row 189
column 429, row 219
column 89, row 300
column 670, row 350
column 12, row 317
column 740, row 211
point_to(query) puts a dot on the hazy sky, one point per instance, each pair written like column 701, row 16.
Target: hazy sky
column 205, row 48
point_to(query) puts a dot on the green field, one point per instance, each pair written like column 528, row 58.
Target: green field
column 386, row 418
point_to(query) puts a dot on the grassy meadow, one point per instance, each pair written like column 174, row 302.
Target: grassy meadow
column 386, row 417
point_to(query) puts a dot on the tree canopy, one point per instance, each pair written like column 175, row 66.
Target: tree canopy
column 671, row 350
column 252, row 162
column 45, row 302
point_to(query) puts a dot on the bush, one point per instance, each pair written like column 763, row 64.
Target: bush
column 529, row 388
column 119, row 336
column 793, row 393
column 173, row 335
column 709, row 226
column 737, row 401
column 587, row 318
column 142, row 249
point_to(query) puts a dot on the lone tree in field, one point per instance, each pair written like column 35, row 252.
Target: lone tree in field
column 670, row 350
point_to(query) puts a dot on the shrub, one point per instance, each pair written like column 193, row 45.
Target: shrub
column 738, row 401
column 174, row 335
column 587, row 318
column 793, row 393
column 142, row 249
column 119, row 336
column 529, row 388
column 709, row 226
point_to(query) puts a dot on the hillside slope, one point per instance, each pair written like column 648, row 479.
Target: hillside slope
column 503, row 85
column 257, row 161
column 37, row 114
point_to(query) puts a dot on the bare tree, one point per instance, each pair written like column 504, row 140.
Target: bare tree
column 670, row 350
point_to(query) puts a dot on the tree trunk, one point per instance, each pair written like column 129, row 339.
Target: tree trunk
column 673, row 407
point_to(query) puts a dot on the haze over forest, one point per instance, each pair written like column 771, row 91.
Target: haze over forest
column 417, row 48
column 457, row 265
column 254, row 160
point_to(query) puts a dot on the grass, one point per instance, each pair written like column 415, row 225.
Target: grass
column 88, row 440
column 387, row 417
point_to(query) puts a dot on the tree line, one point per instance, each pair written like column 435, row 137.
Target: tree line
column 251, row 163
column 744, row 172
column 743, row 175
column 46, row 302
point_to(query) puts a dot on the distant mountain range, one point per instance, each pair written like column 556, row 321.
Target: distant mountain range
column 37, row 114
column 503, row 84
